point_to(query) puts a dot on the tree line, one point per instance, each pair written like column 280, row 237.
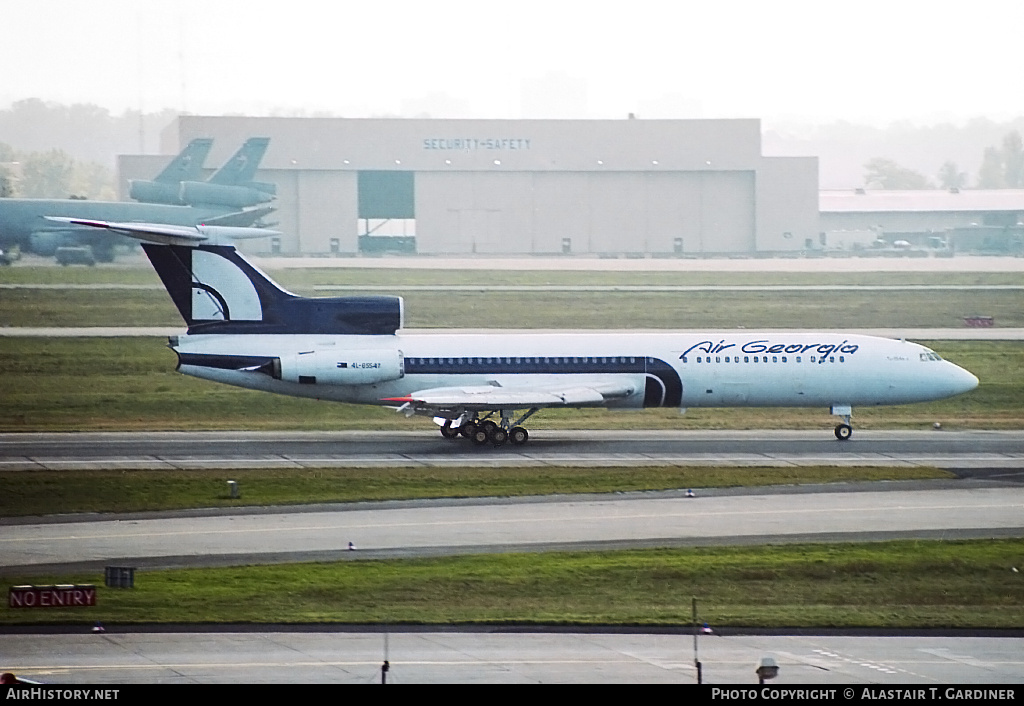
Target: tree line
column 49, row 150
column 1002, row 167
column 52, row 174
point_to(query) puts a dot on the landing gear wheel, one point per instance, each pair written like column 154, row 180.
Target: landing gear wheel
column 479, row 436
column 467, row 429
column 497, row 435
column 518, row 436
column 450, row 432
column 843, row 431
column 488, row 425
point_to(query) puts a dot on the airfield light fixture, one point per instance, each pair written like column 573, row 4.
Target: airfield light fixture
column 768, row 669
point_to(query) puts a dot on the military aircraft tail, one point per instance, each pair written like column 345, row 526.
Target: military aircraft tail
column 188, row 165
column 165, row 188
column 232, row 184
column 241, row 168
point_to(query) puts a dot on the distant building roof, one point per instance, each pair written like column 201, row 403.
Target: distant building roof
column 871, row 201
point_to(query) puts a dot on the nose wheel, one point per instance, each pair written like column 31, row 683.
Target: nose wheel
column 844, row 429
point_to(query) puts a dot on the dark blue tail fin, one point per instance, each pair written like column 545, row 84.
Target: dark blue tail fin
column 216, row 290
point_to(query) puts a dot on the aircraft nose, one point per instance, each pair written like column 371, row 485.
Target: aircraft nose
column 961, row 380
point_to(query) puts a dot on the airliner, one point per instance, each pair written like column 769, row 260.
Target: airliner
column 245, row 330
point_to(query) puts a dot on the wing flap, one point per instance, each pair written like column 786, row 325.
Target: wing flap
column 490, row 397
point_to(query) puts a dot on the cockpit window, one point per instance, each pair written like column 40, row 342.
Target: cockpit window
column 929, row 355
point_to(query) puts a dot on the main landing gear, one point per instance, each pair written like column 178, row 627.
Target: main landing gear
column 483, row 430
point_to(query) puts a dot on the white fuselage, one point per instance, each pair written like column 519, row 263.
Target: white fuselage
column 665, row 369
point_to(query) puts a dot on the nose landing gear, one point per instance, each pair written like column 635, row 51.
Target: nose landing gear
column 844, row 430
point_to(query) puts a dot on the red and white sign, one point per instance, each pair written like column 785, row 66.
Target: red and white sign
column 64, row 596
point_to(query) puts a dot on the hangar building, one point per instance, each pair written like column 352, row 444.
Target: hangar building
column 964, row 220
column 591, row 187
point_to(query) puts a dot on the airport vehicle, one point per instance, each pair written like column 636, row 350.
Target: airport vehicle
column 231, row 185
column 245, row 330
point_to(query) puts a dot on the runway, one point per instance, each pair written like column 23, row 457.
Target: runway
column 364, row 449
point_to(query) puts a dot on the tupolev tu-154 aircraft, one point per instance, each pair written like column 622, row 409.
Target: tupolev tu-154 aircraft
column 245, row 330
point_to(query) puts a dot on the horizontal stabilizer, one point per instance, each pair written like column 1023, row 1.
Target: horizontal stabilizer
column 244, row 218
column 164, row 234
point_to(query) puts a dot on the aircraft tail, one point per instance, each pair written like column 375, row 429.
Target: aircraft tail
column 188, row 165
column 241, row 168
column 216, row 290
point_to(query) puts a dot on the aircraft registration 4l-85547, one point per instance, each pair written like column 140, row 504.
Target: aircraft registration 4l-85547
column 245, row 330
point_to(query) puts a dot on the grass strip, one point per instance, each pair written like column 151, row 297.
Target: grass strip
column 897, row 584
column 571, row 310
column 29, row 493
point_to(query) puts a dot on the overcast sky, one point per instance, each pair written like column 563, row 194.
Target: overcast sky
column 875, row 61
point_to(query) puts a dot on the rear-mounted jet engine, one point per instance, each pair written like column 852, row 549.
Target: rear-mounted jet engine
column 342, row 367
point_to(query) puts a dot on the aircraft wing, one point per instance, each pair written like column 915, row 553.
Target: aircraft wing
column 489, row 397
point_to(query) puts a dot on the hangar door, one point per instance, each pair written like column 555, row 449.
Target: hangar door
column 387, row 211
column 727, row 212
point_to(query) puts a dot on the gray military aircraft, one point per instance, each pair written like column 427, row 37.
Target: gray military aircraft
column 230, row 186
column 24, row 224
column 165, row 188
